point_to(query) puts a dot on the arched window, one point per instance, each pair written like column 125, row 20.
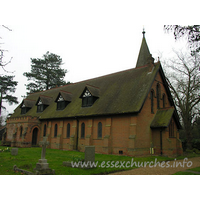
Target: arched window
column 158, row 95
column 68, row 130
column 151, row 97
column 55, row 130
column 99, row 130
column 45, row 130
column 21, row 131
column 163, row 100
column 171, row 129
column 82, row 130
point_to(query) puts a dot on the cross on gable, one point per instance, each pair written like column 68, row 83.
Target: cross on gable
column 44, row 144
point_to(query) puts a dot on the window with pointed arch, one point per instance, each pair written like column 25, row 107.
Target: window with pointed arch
column 68, row 130
column 55, row 130
column 99, row 135
column 83, row 130
column 163, row 98
column 45, row 130
column 171, row 129
column 151, row 97
column 21, row 131
column 158, row 95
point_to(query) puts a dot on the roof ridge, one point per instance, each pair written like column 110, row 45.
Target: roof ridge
column 28, row 100
column 107, row 75
column 92, row 86
column 65, row 91
column 45, row 96
column 114, row 73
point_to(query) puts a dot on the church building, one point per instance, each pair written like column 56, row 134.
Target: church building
column 130, row 112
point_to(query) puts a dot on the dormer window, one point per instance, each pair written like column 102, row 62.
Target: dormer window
column 24, row 109
column 41, row 107
column 26, row 106
column 63, row 99
column 87, row 99
column 42, row 103
column 61, row 103
column 89, row 96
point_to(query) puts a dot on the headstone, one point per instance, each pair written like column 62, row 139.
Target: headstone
column 44, row 144
column 14, row 151
column 42, row 164
column 89, row 160
column 90, row 154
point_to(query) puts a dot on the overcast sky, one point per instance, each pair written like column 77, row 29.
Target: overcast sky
column 93, row 38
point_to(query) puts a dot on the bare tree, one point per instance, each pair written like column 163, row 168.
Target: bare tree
column 3, row 63
column 192, row 32
column 7, row 84
column 184, row 82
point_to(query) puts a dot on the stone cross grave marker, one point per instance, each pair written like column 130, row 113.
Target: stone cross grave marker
column 42, row 164
column 44, row 144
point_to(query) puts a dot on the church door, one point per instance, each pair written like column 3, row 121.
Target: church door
column 34, row 136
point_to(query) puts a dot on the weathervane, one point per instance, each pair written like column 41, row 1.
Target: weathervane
column 143, row 32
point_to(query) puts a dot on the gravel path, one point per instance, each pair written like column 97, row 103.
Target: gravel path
column 169, row 168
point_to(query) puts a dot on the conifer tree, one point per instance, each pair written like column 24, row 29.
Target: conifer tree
column 46, row 73
column 7, row 86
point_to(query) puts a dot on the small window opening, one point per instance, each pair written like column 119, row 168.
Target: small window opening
column 120, row 152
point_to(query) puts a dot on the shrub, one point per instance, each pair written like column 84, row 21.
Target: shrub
column 196, row 151
column 196, row 144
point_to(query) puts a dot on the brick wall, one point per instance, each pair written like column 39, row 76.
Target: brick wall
column 128, row 134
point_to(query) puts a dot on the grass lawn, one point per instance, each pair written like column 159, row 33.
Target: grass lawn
column 196, row 169
column 185, row 173
column 28, row 157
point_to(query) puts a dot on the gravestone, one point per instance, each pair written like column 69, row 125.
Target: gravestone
column 42, row 166
column 14, row 151
column 89, row 154
column 89, row 160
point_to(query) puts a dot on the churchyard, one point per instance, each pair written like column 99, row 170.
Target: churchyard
column 27, row 158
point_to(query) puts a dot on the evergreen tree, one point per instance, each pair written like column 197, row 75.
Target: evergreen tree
column 46, row 73
column 7, row 86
